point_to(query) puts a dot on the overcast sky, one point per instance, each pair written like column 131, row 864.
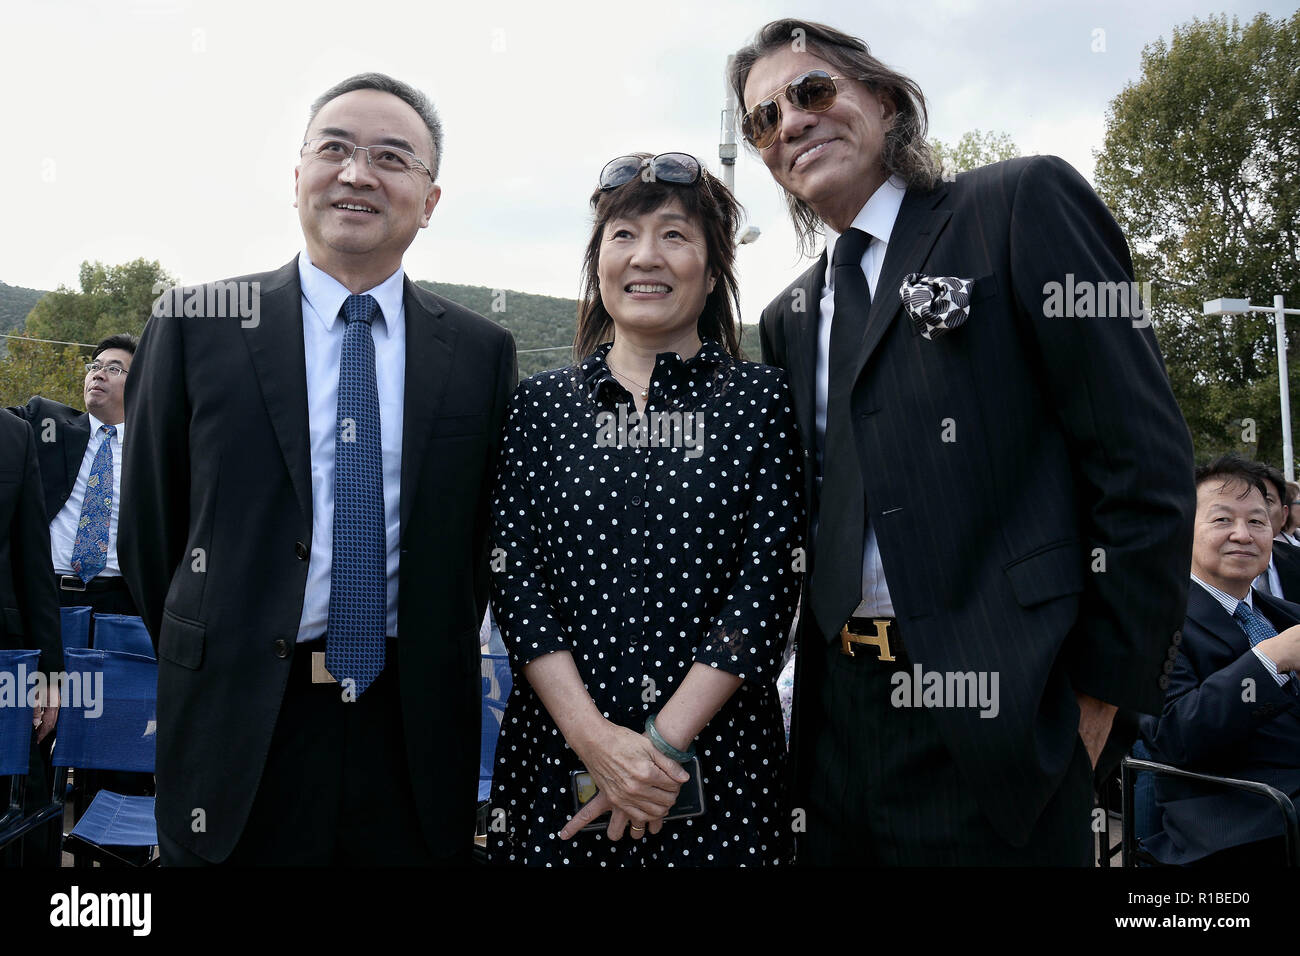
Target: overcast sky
column 169, row 129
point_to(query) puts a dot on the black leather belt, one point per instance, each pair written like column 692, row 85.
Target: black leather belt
column 879, row 632
column 70, row 582
column 310, row 655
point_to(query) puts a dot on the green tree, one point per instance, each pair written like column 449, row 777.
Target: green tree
column 976, row 148
column 111, row 299
column 1199, row 167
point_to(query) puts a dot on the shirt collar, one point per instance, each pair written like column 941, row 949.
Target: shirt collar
column 876, row 218
column 1227, row 600
column 96, row 425
column 326, row 294
column 595, row 373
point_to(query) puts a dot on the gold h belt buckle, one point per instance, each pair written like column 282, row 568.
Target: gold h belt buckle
column 879, row 640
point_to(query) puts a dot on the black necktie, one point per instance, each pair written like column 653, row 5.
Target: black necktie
column 836, row 587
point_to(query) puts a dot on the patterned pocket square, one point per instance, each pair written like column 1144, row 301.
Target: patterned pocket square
column 936, row 304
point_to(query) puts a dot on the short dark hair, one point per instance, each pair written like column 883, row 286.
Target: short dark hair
column 1268, row 473
column 906, row 153
column 707, row 202
column 122, row 340
column 404, row 92
column 1233, row 467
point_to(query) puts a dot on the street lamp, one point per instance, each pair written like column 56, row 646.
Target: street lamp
column 1279, row 313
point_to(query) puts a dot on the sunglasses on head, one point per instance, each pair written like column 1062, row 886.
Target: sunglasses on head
column 812, row 92
column 680, row 168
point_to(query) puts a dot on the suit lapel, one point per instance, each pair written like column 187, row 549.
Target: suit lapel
column 1210, row 614
column 801, row 346
column 430, row 345
column 276, row 347
column 919, row 222
column 76, row 436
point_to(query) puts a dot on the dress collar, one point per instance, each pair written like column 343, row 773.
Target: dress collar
column 595, row 372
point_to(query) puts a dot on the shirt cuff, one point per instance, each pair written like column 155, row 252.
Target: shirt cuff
column 1272, row 668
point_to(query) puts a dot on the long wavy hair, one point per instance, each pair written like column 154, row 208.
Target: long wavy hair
column 906, row 153
column 707, row 202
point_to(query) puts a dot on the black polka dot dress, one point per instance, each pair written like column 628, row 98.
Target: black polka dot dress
column 642, row 549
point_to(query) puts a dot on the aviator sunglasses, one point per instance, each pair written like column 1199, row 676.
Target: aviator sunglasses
column 812, row 92
column 680, row 168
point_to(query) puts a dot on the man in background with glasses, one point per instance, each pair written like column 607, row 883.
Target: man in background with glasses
column 80, row 459
column 957, row 678
column 306, row 524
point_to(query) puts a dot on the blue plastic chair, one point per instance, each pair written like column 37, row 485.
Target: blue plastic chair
column 15, row 736
column 76, row 626
column 109, row 722
column 496, row 691
column 123, row 632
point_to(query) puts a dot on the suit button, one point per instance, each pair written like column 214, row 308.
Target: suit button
column 300, row 549
column 807, row 453
column 281, row 648
column 1178, row 638
column 1173, row 652
column 1164, row 681
column 1169, row 667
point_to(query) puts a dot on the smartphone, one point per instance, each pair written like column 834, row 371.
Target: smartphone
column 690, row 799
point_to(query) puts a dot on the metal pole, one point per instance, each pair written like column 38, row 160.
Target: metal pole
column 1283, row 382
column 727, row 147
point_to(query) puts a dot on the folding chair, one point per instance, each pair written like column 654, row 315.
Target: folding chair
column 496, row 691
column 1136, row 855
column 15, row 737
column 76, row 626
column 109, row 724
column 123, row 632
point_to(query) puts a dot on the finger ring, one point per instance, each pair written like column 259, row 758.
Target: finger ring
column 635, row 827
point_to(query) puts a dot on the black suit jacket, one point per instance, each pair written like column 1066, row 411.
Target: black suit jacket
column 1286, row 558
column 1029, row 478
column 1207, row 726
column 216, row 533
column 62, row 434
column 29, row 602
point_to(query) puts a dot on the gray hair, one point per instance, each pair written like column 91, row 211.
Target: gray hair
column 404, row 92
column 906, row 152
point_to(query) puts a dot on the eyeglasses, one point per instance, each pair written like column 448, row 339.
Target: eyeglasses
column 112, row 370
column 680, row 168
column 340, row 152
column 812, row 92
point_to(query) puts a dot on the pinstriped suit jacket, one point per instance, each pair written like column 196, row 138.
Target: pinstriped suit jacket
column 1028, row 475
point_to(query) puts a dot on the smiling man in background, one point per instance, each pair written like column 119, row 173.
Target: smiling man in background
column 305, row 525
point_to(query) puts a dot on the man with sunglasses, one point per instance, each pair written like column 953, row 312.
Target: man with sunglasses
column 306, row 520
column 957, row 679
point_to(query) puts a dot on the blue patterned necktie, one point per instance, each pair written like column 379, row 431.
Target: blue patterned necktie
column 90, row 549
column 358, row 614
column 1257, row 627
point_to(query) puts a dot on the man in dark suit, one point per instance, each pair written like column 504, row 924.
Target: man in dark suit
column 77, row 450
column 305, row 522
column 1232, row 708
column 29, row 606
column 958, row 676
column 1281, row 577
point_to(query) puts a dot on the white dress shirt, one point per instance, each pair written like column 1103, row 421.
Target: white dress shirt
column 1230, row 605
column 63, row 529
column 876, row 219
column 322, row 335
column 1269, row 582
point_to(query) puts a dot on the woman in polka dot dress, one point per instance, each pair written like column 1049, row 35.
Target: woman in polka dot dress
column 646, row 532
